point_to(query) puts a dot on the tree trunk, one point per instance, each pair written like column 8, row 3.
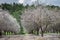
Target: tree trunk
column 37, row 31
column 31, row 32
column 0, row 34
column 42, row 32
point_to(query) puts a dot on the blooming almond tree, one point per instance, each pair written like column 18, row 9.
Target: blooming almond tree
column 39, row 18
column 8, row 23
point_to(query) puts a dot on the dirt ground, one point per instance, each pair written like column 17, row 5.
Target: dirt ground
column 31, row 37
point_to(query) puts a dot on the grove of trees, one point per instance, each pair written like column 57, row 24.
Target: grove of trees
column 32, row 18
column 40, row 18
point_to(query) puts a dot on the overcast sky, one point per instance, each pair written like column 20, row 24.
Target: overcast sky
column 53, row 2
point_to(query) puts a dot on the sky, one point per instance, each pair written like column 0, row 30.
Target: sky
column 53, row 2
column 8, row 1
column 48, row 2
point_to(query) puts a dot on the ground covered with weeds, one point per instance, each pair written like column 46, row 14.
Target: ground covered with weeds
column 32, row 37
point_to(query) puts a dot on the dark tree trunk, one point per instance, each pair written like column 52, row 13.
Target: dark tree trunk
column 42, row 32
column 37, row 31
column 0, row 34
column 31, row 32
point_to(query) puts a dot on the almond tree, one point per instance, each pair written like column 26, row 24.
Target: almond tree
column 8, row 23
column 39, row 18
